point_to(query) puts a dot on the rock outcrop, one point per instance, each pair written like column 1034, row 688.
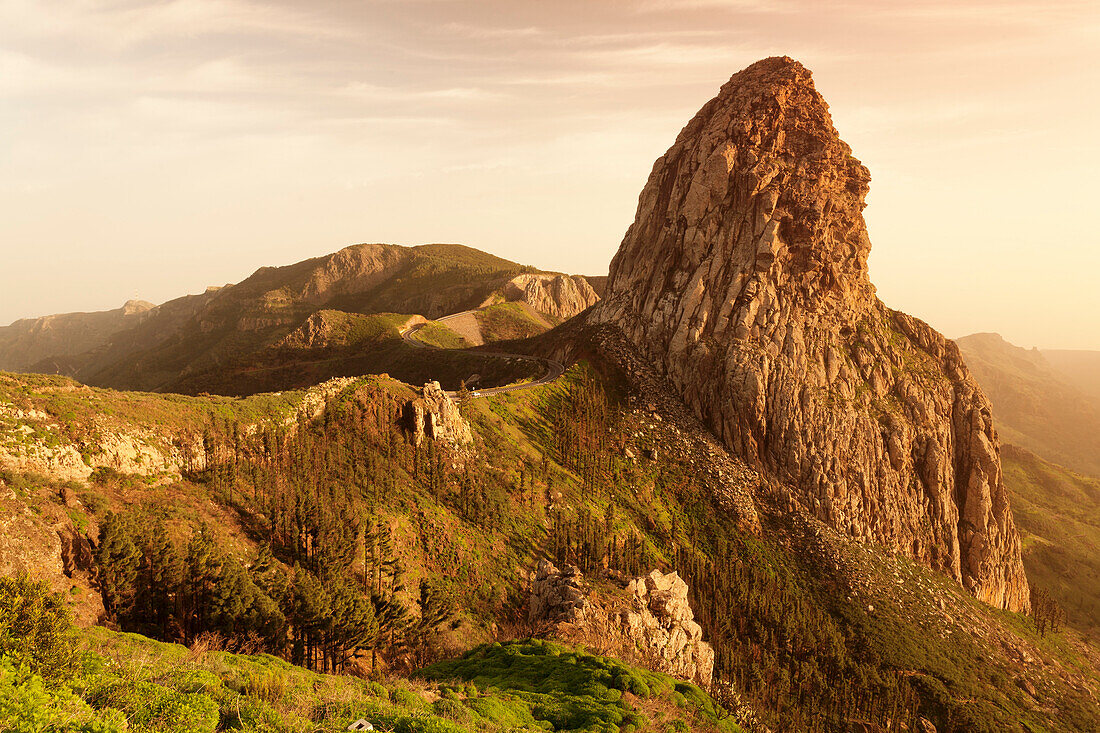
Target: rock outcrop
column 744, row 277
column 435, row 416
column 557, row 596
column 560, row 296
column 654, row 620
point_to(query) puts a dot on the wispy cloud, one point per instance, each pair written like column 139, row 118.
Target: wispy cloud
column 241, row 131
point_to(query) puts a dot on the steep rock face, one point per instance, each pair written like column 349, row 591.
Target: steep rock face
column 744, row 276
column 653, row 619
column 560, row 296
column 436, row 417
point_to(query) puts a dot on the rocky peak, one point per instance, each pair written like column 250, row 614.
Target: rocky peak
column 744, row 277
column 132, row 307
column 757, row 194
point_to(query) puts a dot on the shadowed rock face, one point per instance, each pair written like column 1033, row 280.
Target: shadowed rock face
column 744, row 275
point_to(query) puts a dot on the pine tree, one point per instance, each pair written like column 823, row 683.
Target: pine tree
column 119, row 560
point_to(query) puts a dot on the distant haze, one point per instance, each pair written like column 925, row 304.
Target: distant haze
column 148, row 150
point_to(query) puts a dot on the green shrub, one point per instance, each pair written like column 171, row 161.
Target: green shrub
column 406, row 698
column 34, row 627
column 567, row 689
column 252, row 714
column 29, row 705
column 194, row 680
column 268, row 686
column 514, row 715
column 451, row 709
column 154, row 708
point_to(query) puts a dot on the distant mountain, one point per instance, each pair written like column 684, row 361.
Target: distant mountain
column 31, row 341
column 200, row 342
column 1035, row 405
column 1079, row 368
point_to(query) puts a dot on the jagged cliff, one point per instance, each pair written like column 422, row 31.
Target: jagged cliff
column 744, row 276
column 560, row 296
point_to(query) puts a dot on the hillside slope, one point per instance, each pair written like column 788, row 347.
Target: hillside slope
column 1035, row 405
column 1080, row 368
column 601, row 470
column 1058, row 512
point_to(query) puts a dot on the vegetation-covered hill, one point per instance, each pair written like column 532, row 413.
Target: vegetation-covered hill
column 338, row 344
column 238, row 338
column 312, row 527
column 54, row 678
column 1058, row 512
column 1036, row 406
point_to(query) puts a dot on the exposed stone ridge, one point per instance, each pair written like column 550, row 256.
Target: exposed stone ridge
column 653, row 619
column 560, row 296
column 744, row 277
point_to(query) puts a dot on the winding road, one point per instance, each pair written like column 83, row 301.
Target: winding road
column 554, row 369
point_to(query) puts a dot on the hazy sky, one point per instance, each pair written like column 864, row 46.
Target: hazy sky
column 149, row 149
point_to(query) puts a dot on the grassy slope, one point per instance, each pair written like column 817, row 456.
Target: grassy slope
column 438, row 335
column 358, row 344
column 129, row 682
column 507, row 321
column 1058, row 514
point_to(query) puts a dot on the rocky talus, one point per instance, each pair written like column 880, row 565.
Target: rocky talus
column 650, row 618
column 744, row 277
